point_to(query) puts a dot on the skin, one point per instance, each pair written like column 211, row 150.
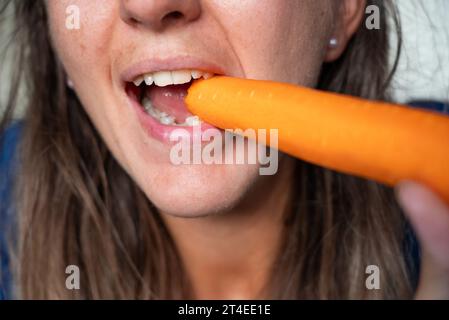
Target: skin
column 218, row 248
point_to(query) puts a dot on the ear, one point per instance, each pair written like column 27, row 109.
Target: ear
column 350, row 15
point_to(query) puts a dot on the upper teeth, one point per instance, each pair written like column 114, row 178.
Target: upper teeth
column 166, row 78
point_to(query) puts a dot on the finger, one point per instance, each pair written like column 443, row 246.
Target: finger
column 429, row 216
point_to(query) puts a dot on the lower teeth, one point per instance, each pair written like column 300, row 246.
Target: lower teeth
column 166, row 119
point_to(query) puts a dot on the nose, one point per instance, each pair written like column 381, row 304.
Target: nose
column 159, row 14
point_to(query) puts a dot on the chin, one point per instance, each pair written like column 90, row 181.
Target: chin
column 199, row 190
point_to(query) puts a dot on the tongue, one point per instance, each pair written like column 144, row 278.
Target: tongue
column 170, row 99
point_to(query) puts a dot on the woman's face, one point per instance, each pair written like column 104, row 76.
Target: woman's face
column 119, row 40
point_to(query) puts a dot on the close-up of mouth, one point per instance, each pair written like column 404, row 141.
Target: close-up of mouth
column 158, row 99
column 161, row 95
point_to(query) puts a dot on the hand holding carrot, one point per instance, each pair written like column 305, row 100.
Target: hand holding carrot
column 380, row 141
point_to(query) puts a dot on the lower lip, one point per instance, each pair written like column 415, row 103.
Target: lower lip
column 162, row 132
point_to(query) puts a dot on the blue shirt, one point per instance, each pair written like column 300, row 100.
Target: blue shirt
column 8, row 146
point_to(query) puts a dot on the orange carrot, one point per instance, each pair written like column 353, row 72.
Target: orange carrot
column 379, row 141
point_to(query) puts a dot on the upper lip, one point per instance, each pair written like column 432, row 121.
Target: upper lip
column 178, row 63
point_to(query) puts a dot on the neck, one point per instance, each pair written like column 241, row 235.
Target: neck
column 231, row 255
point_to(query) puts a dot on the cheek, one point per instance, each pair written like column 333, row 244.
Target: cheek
column 83, row 52
column 278, row 40
column 85, row 56
column 87, row 43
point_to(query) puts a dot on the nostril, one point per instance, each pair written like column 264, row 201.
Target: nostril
column 172, row 18
column 169, row 18
column 175, row 15
column 133, row 21
column 159, row 14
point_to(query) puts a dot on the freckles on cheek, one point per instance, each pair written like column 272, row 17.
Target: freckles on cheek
column 82, row 50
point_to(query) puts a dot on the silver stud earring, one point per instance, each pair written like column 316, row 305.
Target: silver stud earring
column 333, row 43
column 69, row 83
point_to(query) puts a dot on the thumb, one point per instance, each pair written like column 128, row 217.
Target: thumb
column 429, row 217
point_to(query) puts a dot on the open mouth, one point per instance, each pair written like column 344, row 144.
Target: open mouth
column 161, row 95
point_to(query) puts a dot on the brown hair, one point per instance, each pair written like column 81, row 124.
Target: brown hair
column 72, row 194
